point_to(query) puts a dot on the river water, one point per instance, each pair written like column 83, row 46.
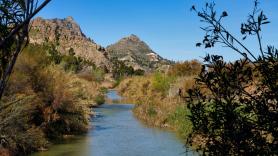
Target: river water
column 116, row 132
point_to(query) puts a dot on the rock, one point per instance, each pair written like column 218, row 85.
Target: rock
column 66, row 34
column 136, row 53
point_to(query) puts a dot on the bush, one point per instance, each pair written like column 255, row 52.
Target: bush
column 162, row 82
column 19, row 127
column 98, row 74
column 238, row 116
column 187, row 68
column 46, row 103
column 100, row 99
column 103, row 90
column 180, row 120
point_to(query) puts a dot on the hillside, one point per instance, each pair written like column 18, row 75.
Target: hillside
column 136, row 53
column 66, row 34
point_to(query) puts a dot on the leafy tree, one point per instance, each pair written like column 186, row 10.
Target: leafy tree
column 15, row 16
column 234, row 105
column 121, row 70
column 71, row 62
column 54, row 55
column 139, row 72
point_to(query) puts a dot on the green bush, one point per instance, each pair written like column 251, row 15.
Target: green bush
column 162, row 82
column 103, row 90
column 181, row 121
column 98, row 74
column 100, row 99
column 151, row 111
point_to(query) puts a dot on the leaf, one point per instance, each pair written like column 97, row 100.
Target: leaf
column 244, row 37
column 208, row 45
column 193, row 8
column 224, row 14
column 198, row 44
column 266, row 22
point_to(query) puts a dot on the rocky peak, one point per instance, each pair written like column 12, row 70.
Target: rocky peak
column 70, row 19
column 136, row 53
column 132, row 38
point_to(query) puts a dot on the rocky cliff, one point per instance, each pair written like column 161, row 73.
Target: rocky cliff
column 66, row 34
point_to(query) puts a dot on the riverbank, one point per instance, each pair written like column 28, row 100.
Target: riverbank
column 43, row 102
column 115, row 131
column 159, row 97
column 156, row 108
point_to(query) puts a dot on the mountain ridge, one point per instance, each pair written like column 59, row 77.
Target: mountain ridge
column 66, row 34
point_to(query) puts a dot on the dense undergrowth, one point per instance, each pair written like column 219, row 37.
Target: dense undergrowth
column 44, row 101
column 159, row 96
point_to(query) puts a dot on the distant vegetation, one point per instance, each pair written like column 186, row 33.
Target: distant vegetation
column 121, row 70
column 186, row 68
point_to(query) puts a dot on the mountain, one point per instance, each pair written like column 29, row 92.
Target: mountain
column 136, row 53
column 66, row 34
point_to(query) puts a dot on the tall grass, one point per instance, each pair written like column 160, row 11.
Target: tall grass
column 159, row 97
column 43, row 102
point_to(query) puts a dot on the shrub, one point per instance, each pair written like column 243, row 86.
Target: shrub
column 100, row 99
column 162, row 82
column 46, row 102
column 187, row 68
column 180, row 120
column 151, row 111
column 239, row 114
column 103, row 90
column 98, row 74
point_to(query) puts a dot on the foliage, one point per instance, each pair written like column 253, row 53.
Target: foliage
column 98, row 74
column 46, row 103
column 103, row 90
column 100, row 99
column 121, row 70
column 21, row 136
column 180, row 119
column 71, row 62
column 186, row 68
column 162, row 82
column 54, row 55
column 14, row 26
column 139, row 72
column 156, row 108
column 238, row 115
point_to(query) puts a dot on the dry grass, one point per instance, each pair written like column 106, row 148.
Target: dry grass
column 43, row 102
column 156, row 108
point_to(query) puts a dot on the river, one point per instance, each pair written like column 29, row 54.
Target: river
column 116, row 132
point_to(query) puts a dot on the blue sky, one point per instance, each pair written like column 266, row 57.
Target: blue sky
column 167, row 26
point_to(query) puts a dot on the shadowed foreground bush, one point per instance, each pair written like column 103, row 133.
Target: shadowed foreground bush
column 43, row 102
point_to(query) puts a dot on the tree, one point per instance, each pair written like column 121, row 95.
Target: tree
column 15, row 17
column 234, row 105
